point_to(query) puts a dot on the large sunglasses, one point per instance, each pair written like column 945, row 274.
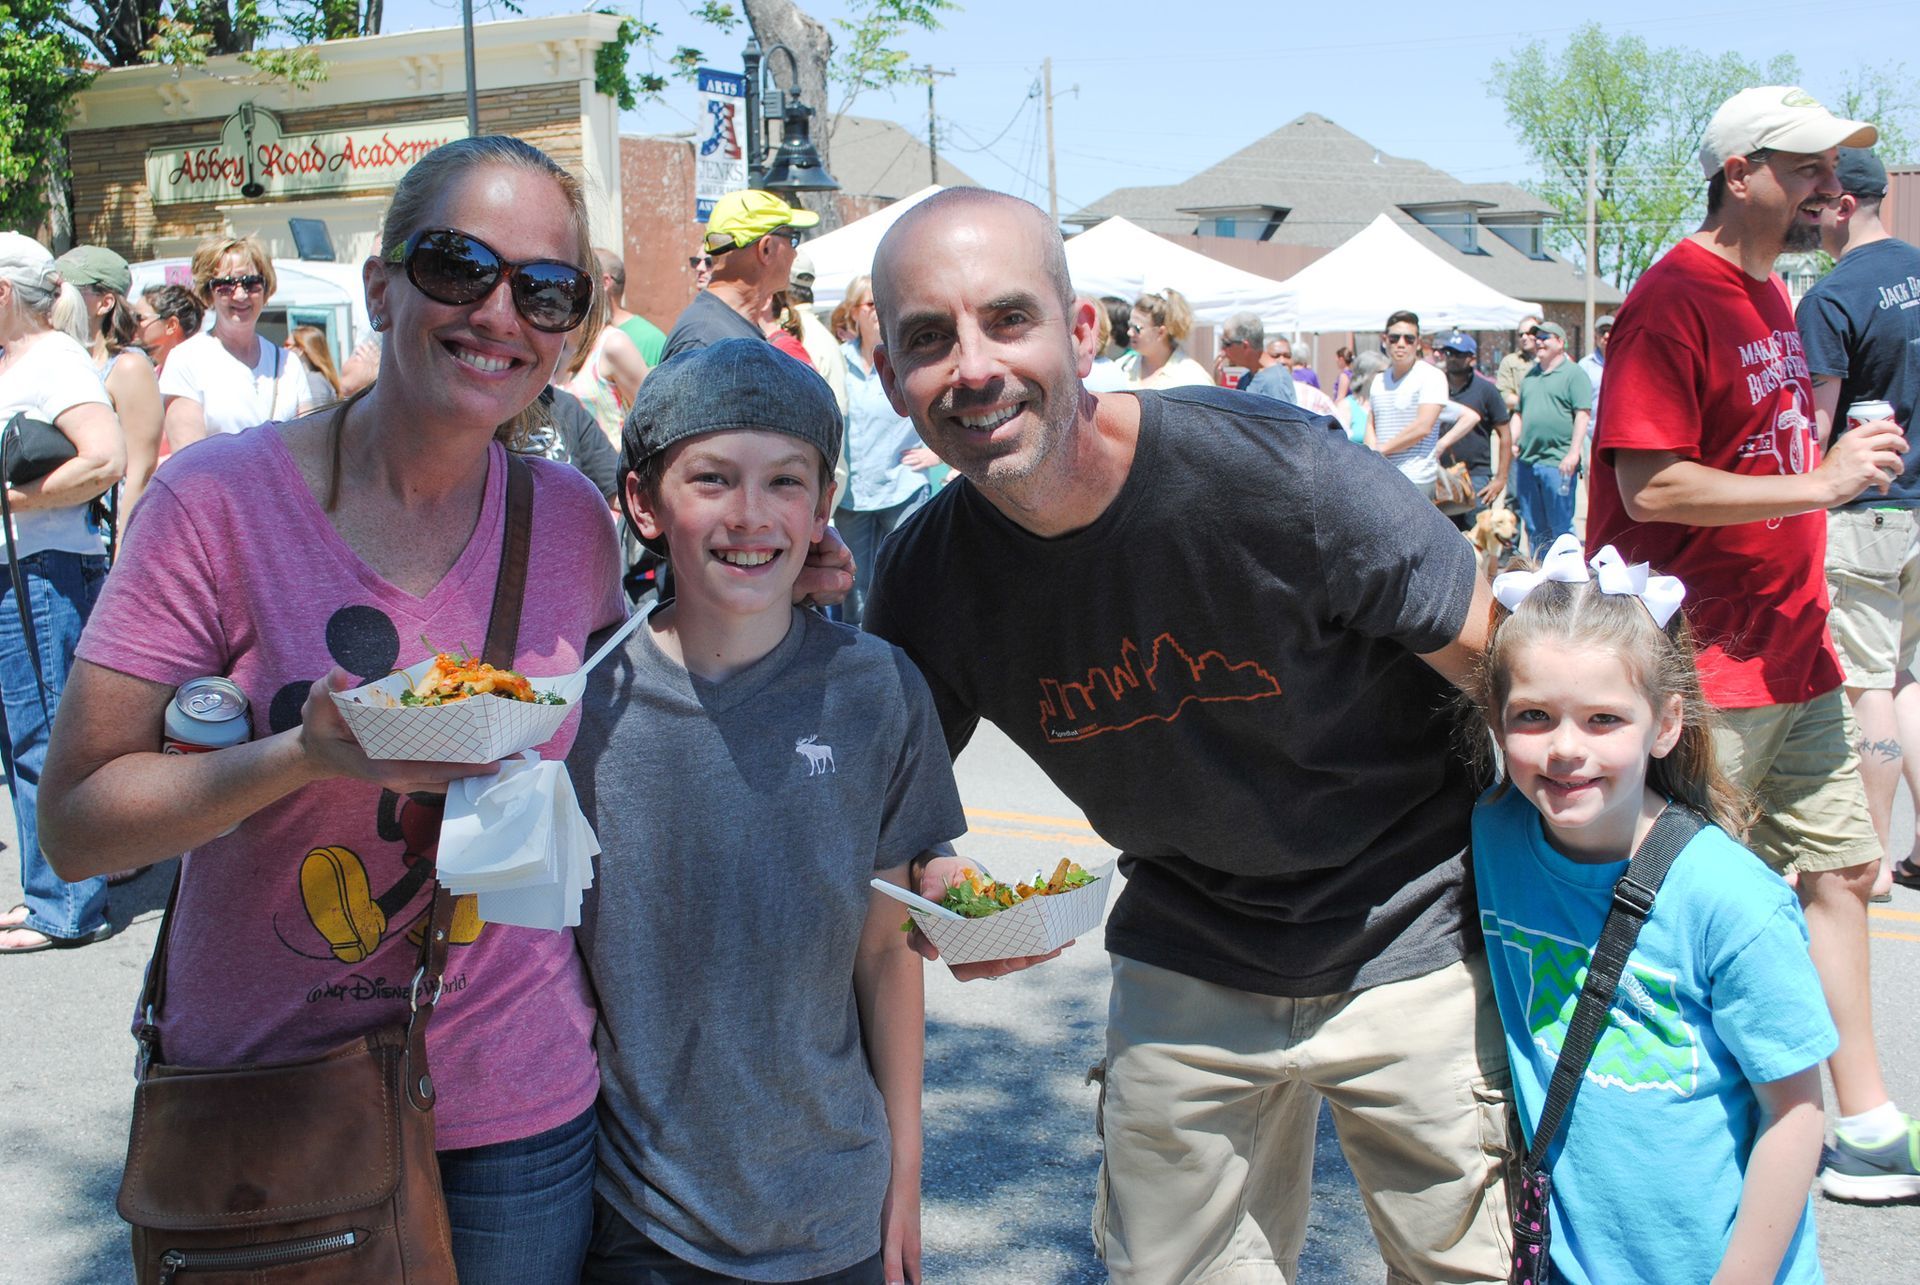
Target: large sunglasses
column 1401, row 337
column 252, row 283
column 452, row 267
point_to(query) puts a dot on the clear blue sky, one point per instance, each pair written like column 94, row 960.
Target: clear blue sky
column 1166, row 88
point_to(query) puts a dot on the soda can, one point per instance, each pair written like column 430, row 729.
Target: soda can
column 206, row 714
column 1866, row 412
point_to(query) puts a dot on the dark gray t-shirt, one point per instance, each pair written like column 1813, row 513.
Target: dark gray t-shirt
column 739, row 823
column 1862, row 322
column 707, row 321
column 575, row 437
column 1221, row 672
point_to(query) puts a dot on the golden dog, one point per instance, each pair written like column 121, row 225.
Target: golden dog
column 1493, row 535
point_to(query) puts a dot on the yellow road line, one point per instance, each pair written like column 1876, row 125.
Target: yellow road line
column 1896, row 936
column 1071, row 823
column 1040, row 836
column 1881, row 912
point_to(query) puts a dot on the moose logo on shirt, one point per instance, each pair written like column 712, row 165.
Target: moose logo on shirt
column 819, row 757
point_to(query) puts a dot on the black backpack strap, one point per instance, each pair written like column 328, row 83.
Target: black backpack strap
column 1633, row 898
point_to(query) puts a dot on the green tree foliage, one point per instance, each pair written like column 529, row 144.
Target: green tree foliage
column 39, row 76
column 1644, row 109
column 868, row 58
column 1885, row 96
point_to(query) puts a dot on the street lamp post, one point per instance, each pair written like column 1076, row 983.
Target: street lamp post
column 795, row 165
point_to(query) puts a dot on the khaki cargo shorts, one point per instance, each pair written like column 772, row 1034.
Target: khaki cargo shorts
column 1208, row 1112
column 1873, row 577
column 1802, row 767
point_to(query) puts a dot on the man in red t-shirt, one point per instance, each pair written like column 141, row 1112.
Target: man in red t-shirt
column 1707, row 466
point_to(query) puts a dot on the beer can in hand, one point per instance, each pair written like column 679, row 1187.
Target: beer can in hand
column 206, row 714
column 1866, row 412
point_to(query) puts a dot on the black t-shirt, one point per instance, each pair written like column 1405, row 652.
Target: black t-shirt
column 1862, row 322
column 578, row 439
column 1481, row 397
column 704, row 322
column 1221, row 672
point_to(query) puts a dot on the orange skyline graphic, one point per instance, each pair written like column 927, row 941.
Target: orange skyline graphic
column 1127, row 695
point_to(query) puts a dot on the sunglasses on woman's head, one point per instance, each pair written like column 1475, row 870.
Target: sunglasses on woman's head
column 454, row 268
column 252, row 283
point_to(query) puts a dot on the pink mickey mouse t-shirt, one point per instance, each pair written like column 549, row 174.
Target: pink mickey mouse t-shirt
column 299, row 930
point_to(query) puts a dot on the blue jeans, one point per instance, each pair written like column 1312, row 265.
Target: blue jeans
column 61, row 591
column 864, row 530
column 1546, row 498
column 522, row 1211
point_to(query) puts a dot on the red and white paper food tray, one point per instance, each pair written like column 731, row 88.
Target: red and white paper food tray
column 480, row 729
column 1034, row 927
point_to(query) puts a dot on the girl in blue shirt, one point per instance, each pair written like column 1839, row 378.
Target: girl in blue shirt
column 1691, row 1149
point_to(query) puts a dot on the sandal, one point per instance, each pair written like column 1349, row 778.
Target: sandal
column 15, row 918
column 1906, row 874
column 45, row 942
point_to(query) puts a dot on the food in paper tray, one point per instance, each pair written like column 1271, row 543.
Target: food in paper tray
column 458, row 676
column 979, row 919
column 977, row 896
column 427, row 711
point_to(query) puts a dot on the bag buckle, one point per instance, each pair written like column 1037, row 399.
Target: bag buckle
column 413, row 990
column 144, row 1035
column 1634, row 898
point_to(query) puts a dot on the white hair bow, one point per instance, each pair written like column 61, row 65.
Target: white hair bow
column 1566, row 562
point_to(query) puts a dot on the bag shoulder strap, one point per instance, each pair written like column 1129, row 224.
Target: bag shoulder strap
column 16, row 576
column 503, row 637
column 1633, row 898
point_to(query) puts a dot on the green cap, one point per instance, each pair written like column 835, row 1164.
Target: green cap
column 95, row 265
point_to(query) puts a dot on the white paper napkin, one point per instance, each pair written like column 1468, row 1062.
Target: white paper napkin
column 517, row 839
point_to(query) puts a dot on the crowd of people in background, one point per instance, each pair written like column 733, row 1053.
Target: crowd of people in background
column 1708, row 624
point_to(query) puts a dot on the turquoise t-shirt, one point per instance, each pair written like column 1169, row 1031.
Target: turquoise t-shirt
column 1718, row 994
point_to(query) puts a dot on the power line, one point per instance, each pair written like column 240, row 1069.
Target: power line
column 1033, row 93
column 1743, row 17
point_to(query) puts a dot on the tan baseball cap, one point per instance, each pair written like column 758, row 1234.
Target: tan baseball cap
column 1779, row 118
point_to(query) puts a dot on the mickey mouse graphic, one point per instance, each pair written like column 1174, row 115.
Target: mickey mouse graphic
column 339, row 899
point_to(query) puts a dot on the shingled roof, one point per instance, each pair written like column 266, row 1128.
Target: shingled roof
column 880, row 159
column 1332, row 183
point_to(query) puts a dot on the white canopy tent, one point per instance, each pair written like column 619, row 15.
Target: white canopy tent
column 847, row 251
column 1382, row 269
column 1125, row 260
column 328, row 295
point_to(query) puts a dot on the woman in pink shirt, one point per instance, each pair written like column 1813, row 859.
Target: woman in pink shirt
column 318, row 554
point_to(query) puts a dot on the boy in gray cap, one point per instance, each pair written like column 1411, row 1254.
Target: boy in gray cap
column 760, row 1038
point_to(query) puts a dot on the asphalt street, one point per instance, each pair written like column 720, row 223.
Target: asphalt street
column 1011, row 1158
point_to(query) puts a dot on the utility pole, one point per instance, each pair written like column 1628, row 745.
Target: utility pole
column 1053, row 188
column 473, row 95
column 933, row 133
column 1593, row 257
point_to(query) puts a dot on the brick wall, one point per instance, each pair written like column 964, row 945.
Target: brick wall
column 656, row 189
column 110, row 205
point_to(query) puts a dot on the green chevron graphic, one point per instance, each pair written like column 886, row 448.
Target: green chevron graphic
column 1646, row 1043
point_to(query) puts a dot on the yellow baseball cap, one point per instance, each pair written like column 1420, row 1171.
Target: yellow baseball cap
column 740, row 218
